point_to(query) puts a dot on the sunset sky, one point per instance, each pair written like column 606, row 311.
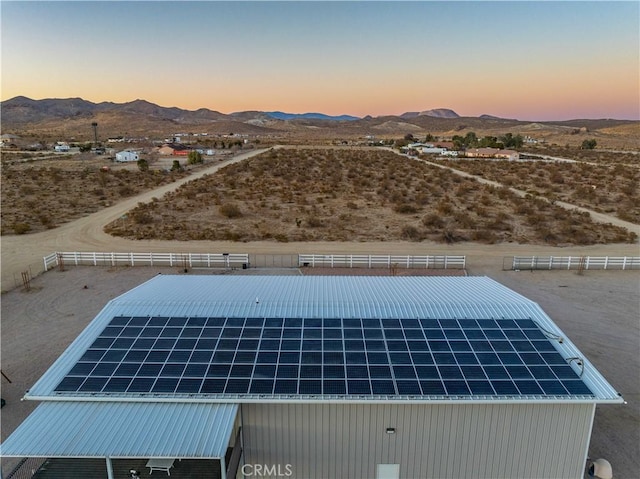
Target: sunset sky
column 524, row 60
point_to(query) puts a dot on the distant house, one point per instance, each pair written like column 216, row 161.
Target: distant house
column 127, row 156
column 492, row 153
column 444, row 144
column 116, row 139
column 173, row 149
column 433, row 150
column 61, row 147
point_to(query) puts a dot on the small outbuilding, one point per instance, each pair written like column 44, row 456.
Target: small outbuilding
column 127, row 156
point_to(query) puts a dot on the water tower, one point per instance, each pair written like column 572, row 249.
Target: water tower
column 95, row 133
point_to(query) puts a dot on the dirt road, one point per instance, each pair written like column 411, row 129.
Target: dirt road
column 595, row 216
column 25, row 252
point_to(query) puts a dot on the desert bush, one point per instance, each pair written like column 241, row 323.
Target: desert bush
column 314, row 222
column 412, row 233
column 484, row 236
column 404, row 208
column 433, row 221
column 230, row 210
column 126, row 190
column 21, row 228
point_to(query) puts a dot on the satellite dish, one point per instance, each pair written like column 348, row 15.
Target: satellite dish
column 601, row 468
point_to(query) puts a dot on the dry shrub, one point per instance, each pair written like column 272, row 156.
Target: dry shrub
column 230, row 210
column 411, row 233
column 405, row 209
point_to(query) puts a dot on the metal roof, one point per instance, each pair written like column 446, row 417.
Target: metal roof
column 123, row 430
column 322, row 297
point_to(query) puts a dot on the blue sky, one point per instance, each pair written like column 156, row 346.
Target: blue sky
column 526, row 60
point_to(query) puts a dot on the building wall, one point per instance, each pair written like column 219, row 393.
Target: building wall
column 431, row 441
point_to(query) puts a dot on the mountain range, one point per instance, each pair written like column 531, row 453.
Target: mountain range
column 72, row 117
column 21, row 109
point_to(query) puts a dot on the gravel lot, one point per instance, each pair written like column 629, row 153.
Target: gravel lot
column 598, row 310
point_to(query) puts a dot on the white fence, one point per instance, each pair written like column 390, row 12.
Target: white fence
column 381, row 261
column 182, row 260
column 575, row 262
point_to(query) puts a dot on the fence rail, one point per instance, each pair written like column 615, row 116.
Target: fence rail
column 574, row 262
column 379, row 261
column 183, row 260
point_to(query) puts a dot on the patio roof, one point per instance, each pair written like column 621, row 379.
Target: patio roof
column 123, row 430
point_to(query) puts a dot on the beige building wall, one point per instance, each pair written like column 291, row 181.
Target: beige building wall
column 431, row 441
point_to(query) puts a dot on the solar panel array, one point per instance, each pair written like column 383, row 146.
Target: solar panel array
column 331, row 357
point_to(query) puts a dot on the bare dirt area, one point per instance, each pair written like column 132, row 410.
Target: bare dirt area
column 597, row 310
column 360, row 195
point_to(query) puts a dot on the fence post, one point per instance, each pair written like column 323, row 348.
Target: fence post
column 446, row 261
column 569, row 263
column 131, row 257
column 587, row 264
column 624, row 263
column 606, row 262
column 550, row 262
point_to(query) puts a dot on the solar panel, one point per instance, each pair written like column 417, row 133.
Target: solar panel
column 322, row 356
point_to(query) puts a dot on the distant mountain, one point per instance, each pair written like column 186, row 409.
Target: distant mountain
column 21, row 109
column 440, row 113
column 436, row 113
column 279, row 115
column 489, row 117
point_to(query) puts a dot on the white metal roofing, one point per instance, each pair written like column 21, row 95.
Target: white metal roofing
column 123, row 430
column 321, row 297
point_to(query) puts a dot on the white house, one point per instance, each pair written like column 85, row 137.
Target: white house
column 61, row 147
column 127, row 156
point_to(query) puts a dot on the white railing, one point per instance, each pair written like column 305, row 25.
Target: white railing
column 380, row 261
column 575, row 262
column 183, row 260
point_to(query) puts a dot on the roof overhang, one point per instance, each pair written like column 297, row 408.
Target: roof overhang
column 123, row 430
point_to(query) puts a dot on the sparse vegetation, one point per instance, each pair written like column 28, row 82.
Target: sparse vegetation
column 607, row 188
column 37, row 197
column 355, row 195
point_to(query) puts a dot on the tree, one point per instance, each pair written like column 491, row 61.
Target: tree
column 143, row 165
column 194, row 158
column 589, row 144
column 510, row 141
column 85, row 147
column 176, row 166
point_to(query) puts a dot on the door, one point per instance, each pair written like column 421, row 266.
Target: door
column 388, row 471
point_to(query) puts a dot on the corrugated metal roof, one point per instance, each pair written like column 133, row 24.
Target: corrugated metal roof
column 123, row 430
column 322, row 297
